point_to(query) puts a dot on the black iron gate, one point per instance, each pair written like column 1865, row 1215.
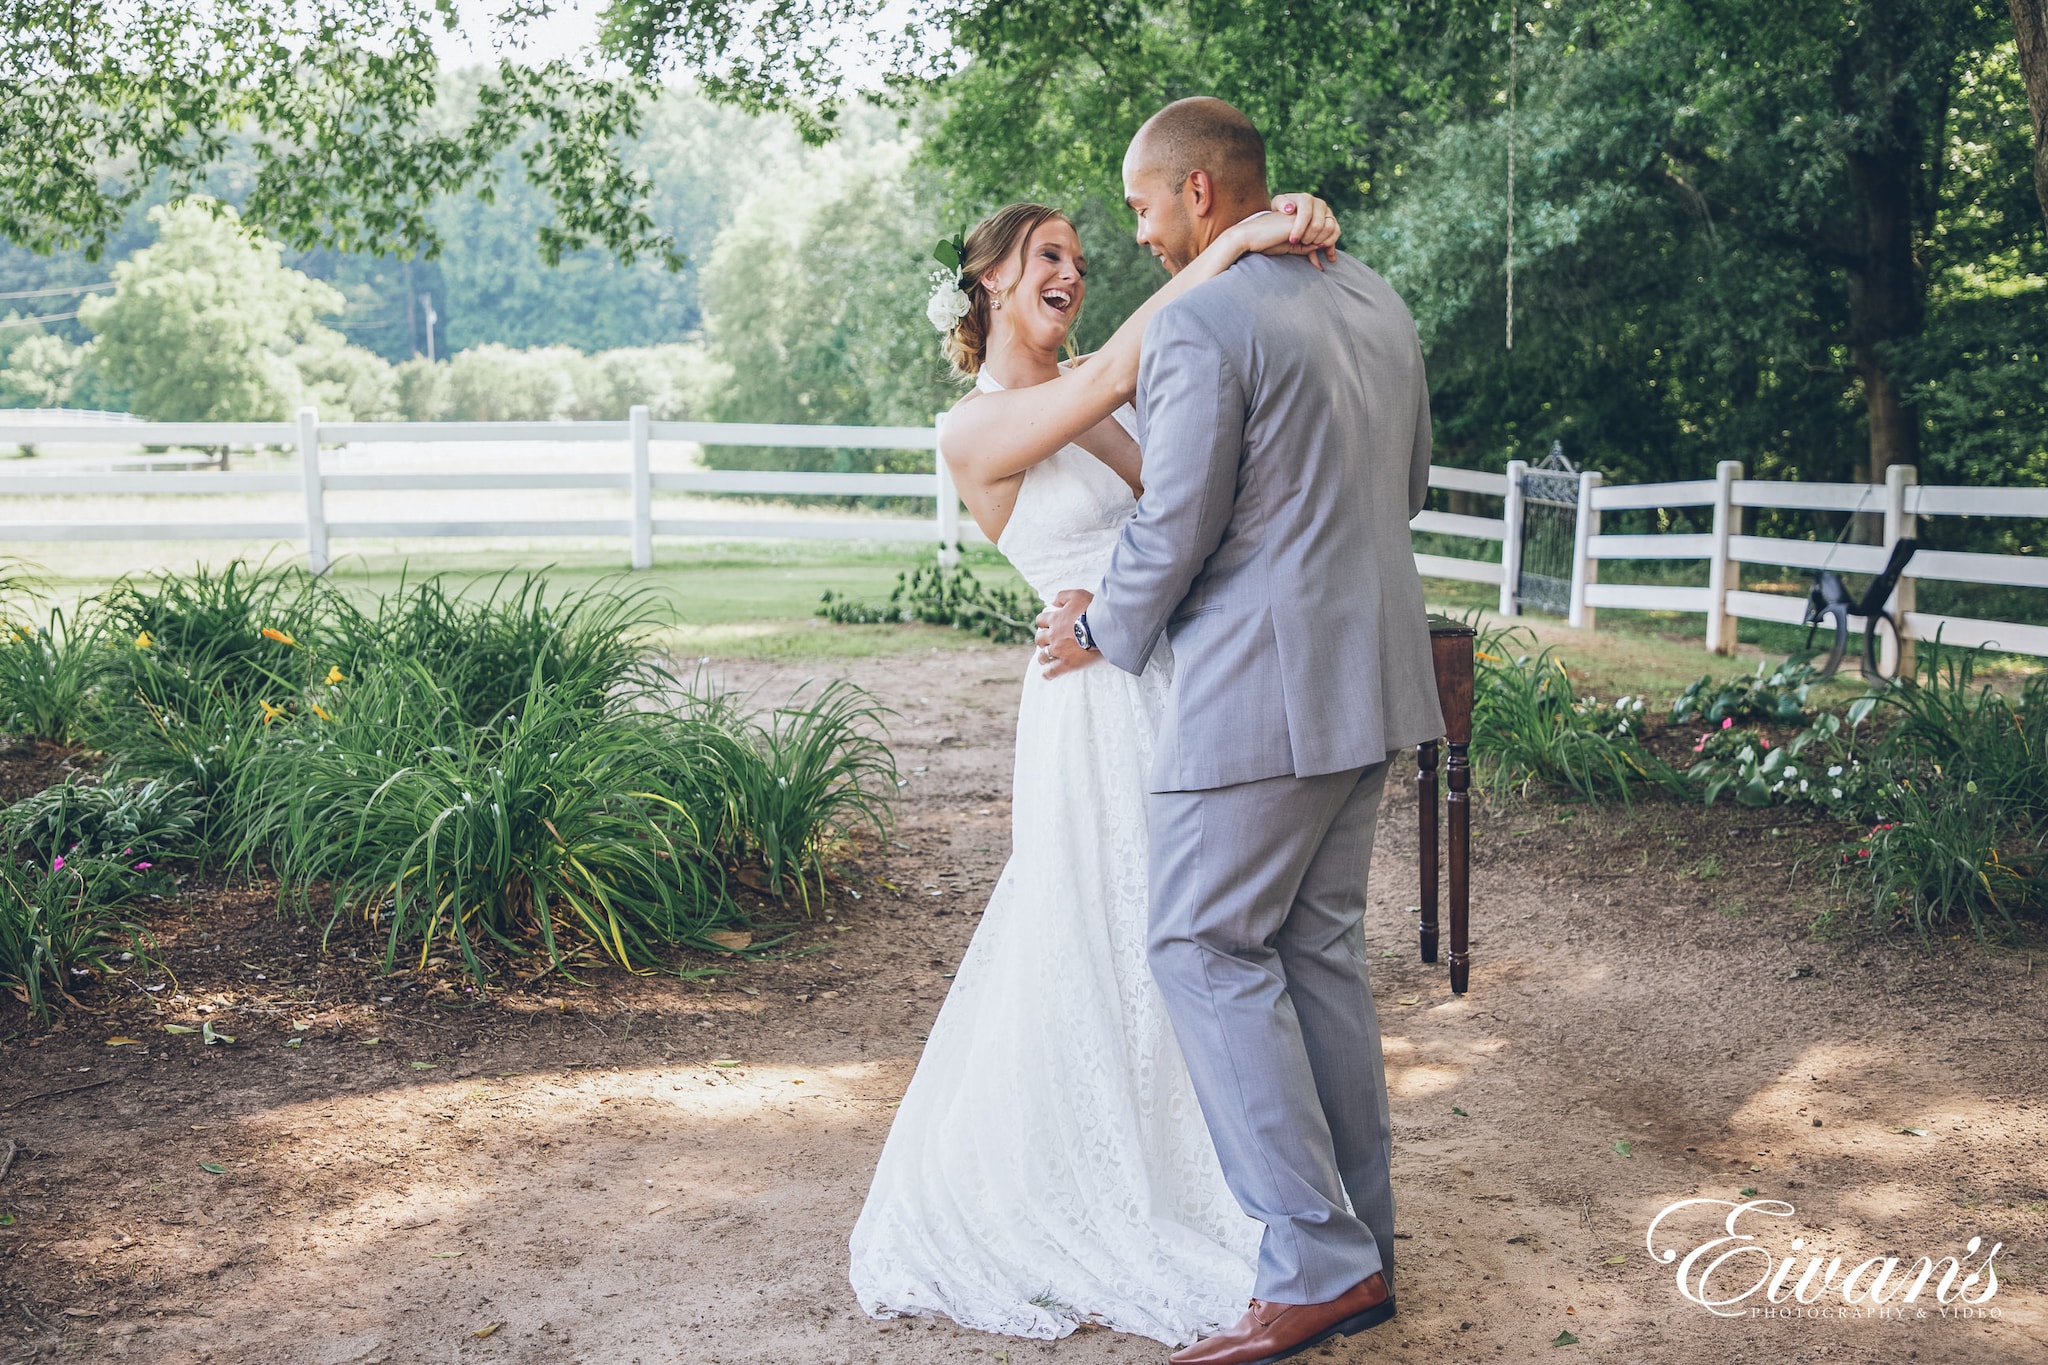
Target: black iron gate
column 1550, row 529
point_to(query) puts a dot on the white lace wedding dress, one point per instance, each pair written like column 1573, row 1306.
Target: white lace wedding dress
column 1049, row 1165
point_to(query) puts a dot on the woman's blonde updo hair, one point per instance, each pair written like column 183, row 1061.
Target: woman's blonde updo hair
column 1008, row 228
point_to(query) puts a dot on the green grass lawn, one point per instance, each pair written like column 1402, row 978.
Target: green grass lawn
column 756, row 599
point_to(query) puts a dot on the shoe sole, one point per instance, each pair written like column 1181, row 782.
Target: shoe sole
column 1351, row 1326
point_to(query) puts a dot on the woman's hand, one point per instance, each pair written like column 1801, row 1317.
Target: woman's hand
column 1299, row 225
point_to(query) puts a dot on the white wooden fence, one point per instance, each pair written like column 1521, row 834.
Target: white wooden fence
column 1901, row 501
column 316, row 531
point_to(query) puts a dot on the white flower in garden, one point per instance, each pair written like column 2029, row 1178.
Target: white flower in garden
column 948, row 303
column 1838, row 793
column 1835, row 771
column 1802, row 784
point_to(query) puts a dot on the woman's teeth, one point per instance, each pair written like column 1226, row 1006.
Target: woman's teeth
column 1058, row 299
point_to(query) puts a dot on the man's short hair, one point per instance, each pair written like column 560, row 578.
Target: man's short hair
column 1204, row 134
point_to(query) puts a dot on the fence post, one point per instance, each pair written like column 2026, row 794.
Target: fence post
column 1721, row 629
column 949, row 506
column 1898, row 525
column 316, row 494
column 1511, row 542
column 1585, row 569
column 643, row 489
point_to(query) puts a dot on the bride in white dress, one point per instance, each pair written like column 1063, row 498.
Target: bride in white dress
column 1049, row 1165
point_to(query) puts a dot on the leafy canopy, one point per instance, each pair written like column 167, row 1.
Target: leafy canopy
column 338, row 104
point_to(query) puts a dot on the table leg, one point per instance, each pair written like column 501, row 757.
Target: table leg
column 1459, row 805
column 1425, row 820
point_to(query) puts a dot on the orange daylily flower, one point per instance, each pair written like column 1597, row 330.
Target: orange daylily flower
column 143, row 641
column 335, row 675
column 271, row 633
column 270, row 713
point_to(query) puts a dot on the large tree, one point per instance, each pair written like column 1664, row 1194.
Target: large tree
column 204, row 325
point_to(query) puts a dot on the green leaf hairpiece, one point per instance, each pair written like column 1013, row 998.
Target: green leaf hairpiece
column 952, row 252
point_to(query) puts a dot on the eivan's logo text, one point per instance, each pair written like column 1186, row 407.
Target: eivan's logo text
column 1717, row 1273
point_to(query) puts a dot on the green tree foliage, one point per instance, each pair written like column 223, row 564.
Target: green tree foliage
column 816, row 295
column 338, row 105
column 204, row 325
column 495, row 383
column 1797, row 236
column 44, row 371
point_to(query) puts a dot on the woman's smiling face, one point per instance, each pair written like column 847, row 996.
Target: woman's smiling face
column 1041, row 302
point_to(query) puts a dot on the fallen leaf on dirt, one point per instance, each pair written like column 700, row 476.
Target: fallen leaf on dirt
column 1459, row 1112
column 213, row 1168
column 1411, row 999
column 486, row 1330
column 1909, row 1132
column 124, row 1042
column 211, row 1037
column 1573, row 1311
column 446, row 1255
column 371, row 1042
column 6, row 1220
column 1748, row 1191
column 1615, row 1260
column 1564, row 1339
column 80, row 1313
column 178, row 1028
column 1625, row 1147
column 732, row 940
column 725, row 1062
column 425, row 1066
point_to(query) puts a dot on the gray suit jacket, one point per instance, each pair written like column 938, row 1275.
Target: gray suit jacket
column 1284, row 419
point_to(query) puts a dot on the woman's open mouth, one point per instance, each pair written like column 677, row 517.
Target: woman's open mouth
column 1059, row 300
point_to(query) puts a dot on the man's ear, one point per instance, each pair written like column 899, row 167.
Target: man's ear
column 1198, row 193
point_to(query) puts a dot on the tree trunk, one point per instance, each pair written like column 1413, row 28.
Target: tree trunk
column 2030, row 27
column 1887, row 300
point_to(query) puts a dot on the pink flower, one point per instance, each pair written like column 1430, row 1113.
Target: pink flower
column 1701, row 745
column 1766, row 743
column 143, row 867
column 58, row 866
column 1727, row 721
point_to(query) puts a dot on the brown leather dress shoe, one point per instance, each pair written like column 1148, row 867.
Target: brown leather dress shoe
column 1275, row 1331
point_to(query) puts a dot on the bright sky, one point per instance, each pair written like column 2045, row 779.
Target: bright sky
column 573, row 26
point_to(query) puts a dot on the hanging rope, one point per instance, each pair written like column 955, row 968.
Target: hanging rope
column 1512, row 24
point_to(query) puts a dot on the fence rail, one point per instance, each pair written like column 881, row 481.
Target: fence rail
column 1901, row 501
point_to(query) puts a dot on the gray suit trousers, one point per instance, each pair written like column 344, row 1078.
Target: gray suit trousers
column 1258, row 944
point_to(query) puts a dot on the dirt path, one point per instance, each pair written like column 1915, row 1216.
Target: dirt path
column 583, row 1174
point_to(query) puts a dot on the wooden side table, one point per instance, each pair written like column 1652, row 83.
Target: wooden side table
column 1450, row 648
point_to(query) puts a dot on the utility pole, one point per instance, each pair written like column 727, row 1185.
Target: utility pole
column 412, row 325
column 427, row 304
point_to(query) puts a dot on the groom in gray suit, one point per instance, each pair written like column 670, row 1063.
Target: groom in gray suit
column 1284, row 420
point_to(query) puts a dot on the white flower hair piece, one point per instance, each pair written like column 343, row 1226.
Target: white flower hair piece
column 948, row 303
